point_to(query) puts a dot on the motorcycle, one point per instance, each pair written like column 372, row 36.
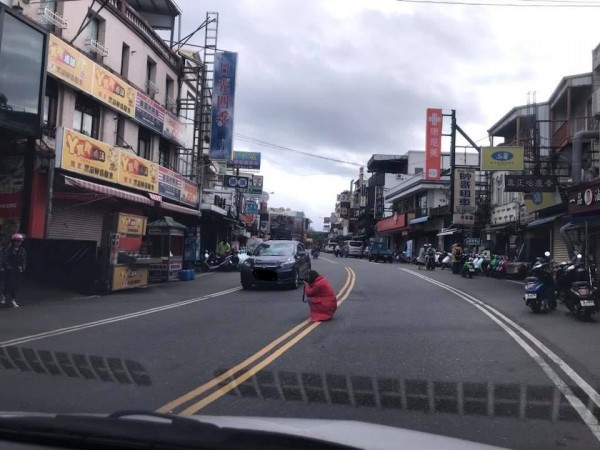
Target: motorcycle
column 446, row 261
column 430, row 262
column 468, row 269
column 477, row 264
column 575, row 287
column 539, row 287
column 214, row 262
column 315, row 253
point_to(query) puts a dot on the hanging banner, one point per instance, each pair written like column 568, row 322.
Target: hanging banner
column 433, row 144
column 530, row 183
column 149, row 113
column 223, row 97
column 502, row 158
column 169, row 183
column 113, row 91
column 69, row 65
column 138, row 172
column 464, row 191
column 87, row 156
column 541, row 200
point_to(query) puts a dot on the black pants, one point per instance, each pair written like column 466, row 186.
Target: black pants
column 12, row 279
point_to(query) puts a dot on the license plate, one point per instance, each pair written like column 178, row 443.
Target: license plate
column 471, row 270
column 587, row 303
column 530, row 296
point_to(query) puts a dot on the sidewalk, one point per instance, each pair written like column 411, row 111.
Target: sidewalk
column 33, row 292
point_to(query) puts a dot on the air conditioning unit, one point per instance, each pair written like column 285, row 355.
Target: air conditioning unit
column 50, row 17
column 152, row 87
column 95, row 47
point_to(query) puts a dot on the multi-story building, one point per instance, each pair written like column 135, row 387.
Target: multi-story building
column 118, row 115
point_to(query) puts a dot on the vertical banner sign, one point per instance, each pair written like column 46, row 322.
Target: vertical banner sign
column 433, row 144
column 221, row 136
column 464, row 191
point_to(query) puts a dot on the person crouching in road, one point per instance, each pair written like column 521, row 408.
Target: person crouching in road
column 323, row 302
column 13, row 264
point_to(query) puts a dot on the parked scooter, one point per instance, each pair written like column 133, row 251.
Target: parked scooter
column 539, row 287
column 213, row 262
column 477, row 263
column 468, row 268
column 575, row 287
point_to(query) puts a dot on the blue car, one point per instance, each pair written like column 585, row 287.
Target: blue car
column 282, row 263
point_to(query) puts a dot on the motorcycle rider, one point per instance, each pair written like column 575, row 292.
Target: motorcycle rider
column 223, row 250
column 430, row 257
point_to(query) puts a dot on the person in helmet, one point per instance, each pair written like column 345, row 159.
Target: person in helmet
column 14, row 260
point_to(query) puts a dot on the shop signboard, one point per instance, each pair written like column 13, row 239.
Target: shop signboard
column 10, row 205
column 256, row 184
column 251, row 208
column 237, row 182
column 584, row 198
column 113, row 91
column 87, row 156
column 245, row 160
column 149, row 112
column 131, row 225
column 502, row 158
column 170, row 183
column 463, row 219
column 69, row 65
column 138, row 173
column 537, row 201
column 433, row 144
column 472, row 242
column 129, row 277
column 530, row 183
column 464, row 190
column 189, row 193
column 173, row 128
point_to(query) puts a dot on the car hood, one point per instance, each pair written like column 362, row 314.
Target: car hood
column 269, row 260
column 346, row 432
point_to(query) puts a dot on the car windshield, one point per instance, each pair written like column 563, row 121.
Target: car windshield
column 275, row 249
column 267, row 213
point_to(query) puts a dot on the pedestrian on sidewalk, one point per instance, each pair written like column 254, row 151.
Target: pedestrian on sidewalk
column 322, row 300
column 14, row 261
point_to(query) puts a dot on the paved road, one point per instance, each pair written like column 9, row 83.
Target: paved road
column 428, row 351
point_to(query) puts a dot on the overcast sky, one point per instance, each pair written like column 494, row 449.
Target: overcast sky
column 348, row 78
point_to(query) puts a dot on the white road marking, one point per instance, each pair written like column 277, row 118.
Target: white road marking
column 520, row 283
column 585, row 414
column 97, row 323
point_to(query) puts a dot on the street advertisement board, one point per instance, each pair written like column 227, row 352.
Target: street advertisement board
column 113, row 91
column 433, row 144
column 541, row 200
column 530, row 183
column 149, row 112
column 129, row 277
column 69, row 65
column 190, row 193
column 138, row 172
column 244, row 160
column 131, row 224
column 221, row 137
column 169, row 183
column 502, row 158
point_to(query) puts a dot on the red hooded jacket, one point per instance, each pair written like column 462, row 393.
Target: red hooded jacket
column 323, row 301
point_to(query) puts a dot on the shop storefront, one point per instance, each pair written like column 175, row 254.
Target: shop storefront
column 394, row 230
column 581, row 233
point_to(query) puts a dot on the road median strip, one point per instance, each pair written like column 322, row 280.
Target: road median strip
column 266, row 355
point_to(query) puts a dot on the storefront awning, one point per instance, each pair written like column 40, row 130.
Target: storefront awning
column 213, row 208
column 580, row 221
column 497, row 228
column 107, row 190
column 418, row 220
column 180, row 209
column 543, row 221
column 446, row 232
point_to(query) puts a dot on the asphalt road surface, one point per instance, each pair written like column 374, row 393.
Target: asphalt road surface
column 428, row 351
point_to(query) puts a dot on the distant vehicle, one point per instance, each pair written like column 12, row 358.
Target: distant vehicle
column 352, row 248
column 279, row 262
column 330, row 247
column 379, row 251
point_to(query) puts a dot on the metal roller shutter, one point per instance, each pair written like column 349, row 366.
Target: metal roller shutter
column 78, row 222
column 559, row 248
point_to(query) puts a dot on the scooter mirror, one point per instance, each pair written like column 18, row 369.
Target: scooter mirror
column 579, row 256
column 547, row 254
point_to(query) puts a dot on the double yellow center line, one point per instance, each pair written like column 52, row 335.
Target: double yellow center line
column 274, row 350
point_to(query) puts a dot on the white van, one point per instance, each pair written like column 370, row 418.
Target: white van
column 352, row 248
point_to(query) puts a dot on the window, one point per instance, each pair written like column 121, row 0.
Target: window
column 51, row 6
column 86, row 117
column 144, row 143
column 164, row 153
column 151, row 78
column 169, row 90
column 418, row 170
column 120, row 132
column 125, row 52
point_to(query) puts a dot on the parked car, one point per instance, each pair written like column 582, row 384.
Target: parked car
column 352, row 248
column 281, row 262
column 379, row 251
column 330, row 247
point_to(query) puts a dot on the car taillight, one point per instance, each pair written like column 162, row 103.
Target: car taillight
column 584, row 292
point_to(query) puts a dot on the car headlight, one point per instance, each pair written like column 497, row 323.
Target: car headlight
column 287, row 264
column 247, row 263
